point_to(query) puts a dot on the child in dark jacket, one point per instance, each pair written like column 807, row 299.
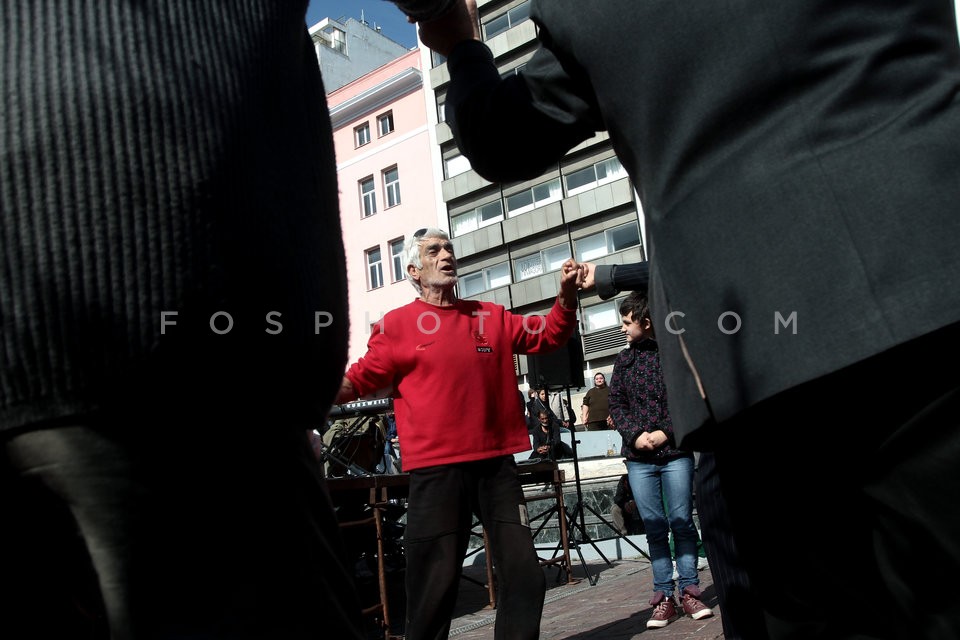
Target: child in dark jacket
column 659, row 473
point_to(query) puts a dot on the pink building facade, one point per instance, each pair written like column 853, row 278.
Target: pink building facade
column 388, row 180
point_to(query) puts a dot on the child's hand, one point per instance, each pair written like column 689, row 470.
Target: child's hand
column 649, row 441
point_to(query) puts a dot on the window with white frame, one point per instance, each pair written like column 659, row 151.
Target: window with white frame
column 368, row 196
column 374, row 268
column 534, row 197
column 476, row 218
column 442, row 110
column 479, row 281
column 361, row 134
column 391, row 186
column 456, row 165
column 600, row 173
column 396, row 260
column 545, row 261
column 602, row 316
column 606, row 242
column 506, row 20
column 334, row 38
column 385, row 123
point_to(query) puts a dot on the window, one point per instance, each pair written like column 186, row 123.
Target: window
column 484, row 280
column 456, row 165
column 602, row 316
column 361, row 134
column 535, row 197
column 442, row 110
column 600, row 173
column 391, row 186
column 385, row 123
column 334, row 38
column 437, row 59
column 368, row 196
column 374, row 268
column 396, row 259
column 610, row 241
column 476, row 218
column 506, row 20
column 541, row 262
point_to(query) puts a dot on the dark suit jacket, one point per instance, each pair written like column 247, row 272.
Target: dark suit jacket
column 795, row 160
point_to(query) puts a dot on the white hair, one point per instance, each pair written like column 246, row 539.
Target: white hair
column 412, row 251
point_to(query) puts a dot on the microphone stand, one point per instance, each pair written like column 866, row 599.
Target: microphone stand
column 578, row 512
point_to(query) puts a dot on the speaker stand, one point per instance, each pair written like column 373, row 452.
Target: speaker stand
column 575, row 518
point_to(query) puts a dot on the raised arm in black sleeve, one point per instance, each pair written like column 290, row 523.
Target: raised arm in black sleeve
column 611, row 279
column 515, row 128
column 421, row 10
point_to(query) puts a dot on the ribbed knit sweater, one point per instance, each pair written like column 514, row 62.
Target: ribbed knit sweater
column 161, row 157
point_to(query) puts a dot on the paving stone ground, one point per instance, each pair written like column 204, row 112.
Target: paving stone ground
column 615, row 608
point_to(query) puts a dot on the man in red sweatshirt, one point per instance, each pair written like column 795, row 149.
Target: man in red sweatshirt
column 448, row 357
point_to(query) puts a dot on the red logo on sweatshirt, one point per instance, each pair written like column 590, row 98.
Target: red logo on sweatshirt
column 483, row 345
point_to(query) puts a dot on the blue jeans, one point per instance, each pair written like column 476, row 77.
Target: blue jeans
column 671, row 482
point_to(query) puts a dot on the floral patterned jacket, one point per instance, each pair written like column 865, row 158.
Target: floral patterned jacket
column 638, row 401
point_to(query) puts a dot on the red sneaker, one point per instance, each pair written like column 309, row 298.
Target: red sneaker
column 664, row 610
column 690, row 599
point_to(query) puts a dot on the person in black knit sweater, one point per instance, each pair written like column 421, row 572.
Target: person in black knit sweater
column 173, row 321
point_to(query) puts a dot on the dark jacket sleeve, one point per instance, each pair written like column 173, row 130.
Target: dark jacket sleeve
column 620, row 409
column 514, row 128
column 611, row 279
column 421, row 10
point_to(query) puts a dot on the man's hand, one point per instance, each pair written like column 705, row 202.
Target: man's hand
column 589, row 276
column 571, row 277
column 347, row 392
column 444, row 33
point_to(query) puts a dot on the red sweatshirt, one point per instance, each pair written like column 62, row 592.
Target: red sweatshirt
column 451, row 368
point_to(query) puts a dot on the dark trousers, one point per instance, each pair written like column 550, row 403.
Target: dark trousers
column 173, row 535
column 443, row 501
column 742, row 617
column 558, row 451
column 843, row 496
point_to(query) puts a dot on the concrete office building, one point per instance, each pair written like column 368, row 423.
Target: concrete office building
column 512, row 238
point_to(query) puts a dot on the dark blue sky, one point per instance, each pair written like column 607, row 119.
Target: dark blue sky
column 380, row 12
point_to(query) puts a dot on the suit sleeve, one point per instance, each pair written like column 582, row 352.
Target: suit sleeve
column 515, row 128
column 422, row 10
column 611, row 279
